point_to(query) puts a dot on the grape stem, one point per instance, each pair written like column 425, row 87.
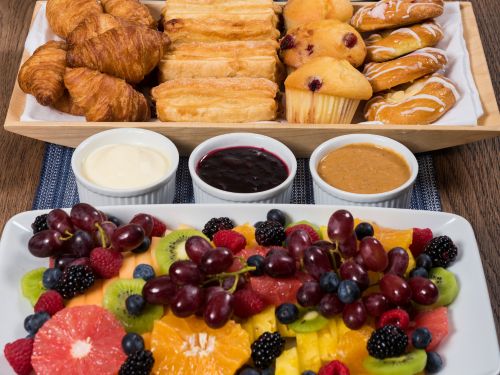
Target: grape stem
column 235, row 284
column 68, row 236
column 332, row 253
column 223, row 275
column 102, row 234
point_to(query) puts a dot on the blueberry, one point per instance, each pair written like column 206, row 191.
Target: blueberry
column 363, row 230
column 267, row 371
column 276, row 215
column 114, row 220
column 34, row 322
column 287, row 313
column 50, row 277
column 348, row 291
column 419, row 271
column 434, row 363
column 308, row 372
column 144, row 271
column 135, row 303
column 421, row 338
column 425, row 261
column 329, row 282
column 132, row 343
column 249, row 371
column 144, row 246
column 258, row 262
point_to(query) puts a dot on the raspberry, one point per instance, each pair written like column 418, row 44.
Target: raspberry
column 75, row 280
column 334, row 368
column 139, row 363
column 216, row 224
column 312, row 233
column 442, row 251
column 159, row 227
column 40, row 224
column 270, row 233
column 388, row 341
column 421, row 238
column 106, row 263
column 18, row 354
column 266, row 349
column 50, row 302
column 396, row 317
column 247, row 303
column 230, row 239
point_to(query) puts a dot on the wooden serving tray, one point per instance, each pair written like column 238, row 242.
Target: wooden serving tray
column 301, row 138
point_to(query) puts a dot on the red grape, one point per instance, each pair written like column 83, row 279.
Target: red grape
column 228, row 282
column 350, row 270
column 108, row 228
column 354, row 315
column 279, row 264
column 46, row 243
column 196, row 247
column 316, row 261
column 63, row 261
column 187, row 301
column 376, row 304
column 211, row 291
column 80, row 244
column 340, row 225
column 159, row 291
column 59, row 220
column 218, row 309
column 398, row 261
column 184, row 272
column 395, row 288
column 309, row 294
column 127, row 237
column 145, row 221
column 349, row 247
column 330, row 305
column 216, row 261
column 83, row 261
column 423, row 291
column 297, row 242
column 84, row 216
column 373, row 254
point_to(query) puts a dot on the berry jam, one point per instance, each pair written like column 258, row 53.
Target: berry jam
column 242, row 169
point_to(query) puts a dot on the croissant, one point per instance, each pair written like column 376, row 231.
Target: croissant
column 42, row 74
column 64, row 15
column 130, row 10
column 66, row 104
column 92, row 26
column 127, row 52
column 105, row 98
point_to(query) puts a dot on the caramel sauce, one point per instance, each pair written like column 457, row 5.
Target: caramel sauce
column 364, row 168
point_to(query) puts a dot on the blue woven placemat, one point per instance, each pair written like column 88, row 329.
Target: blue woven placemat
column 57, row 187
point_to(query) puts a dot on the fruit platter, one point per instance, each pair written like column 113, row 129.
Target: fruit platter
column 261, row 289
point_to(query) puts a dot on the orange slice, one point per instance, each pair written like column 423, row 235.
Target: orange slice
column 185, row 346
column 351, row 349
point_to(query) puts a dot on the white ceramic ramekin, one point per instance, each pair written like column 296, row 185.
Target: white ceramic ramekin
column 205, row 193
column 162, row 191
column 327, row 194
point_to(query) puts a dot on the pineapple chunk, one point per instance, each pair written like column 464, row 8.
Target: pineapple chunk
column 327, row 344
column 285, row 331
column 341, row 327
column 324, row 232
column 264, row 322
column 288, row 363
column 308, row 351
column 248, row 326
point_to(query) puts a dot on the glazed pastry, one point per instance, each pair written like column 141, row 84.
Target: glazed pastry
column 216, row 100
column 385, row 75
column 42, row 74
column 127, row 52
column 298, row 12
column 64, row 15
column 387, row 14
column 391, row 44
column 94, row 25
column 218, row 30
column 322, row 38
column 131, row 10
column 67, row 105
column 218, row 60
column 105, row 98
column 325, row 91
column 423, row 102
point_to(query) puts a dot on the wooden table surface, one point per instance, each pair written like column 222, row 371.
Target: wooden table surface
column 468, row 176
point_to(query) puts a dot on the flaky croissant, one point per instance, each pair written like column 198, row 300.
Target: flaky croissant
column 127, row 52
column 42, row 74
column 105, row 98
column 66, row 104
column 94, row 25
column 64, row 15
column 130, row 10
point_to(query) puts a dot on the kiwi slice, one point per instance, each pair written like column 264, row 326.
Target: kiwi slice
column 172, row 247
column 447, row 285
column 32, row 285
column 311, row 321
column 114, row 299
column 313, row 226
column 408, row 364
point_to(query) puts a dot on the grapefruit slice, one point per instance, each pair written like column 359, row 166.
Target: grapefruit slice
column 436, row 321
column 79, row 341
column 276, row 291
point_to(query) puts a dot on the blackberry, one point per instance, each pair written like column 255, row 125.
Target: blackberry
column 75, row 280
column 266, row 349
column 388, row 341
column 270, row 233
column 40, row 224
column 442, row 251
column 139, row 363
column 216, row 224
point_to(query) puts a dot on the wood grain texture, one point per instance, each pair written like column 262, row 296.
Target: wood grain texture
column 468, row 176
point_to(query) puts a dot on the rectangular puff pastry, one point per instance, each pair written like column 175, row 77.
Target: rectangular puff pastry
column 257, row 59
column 216, row 100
